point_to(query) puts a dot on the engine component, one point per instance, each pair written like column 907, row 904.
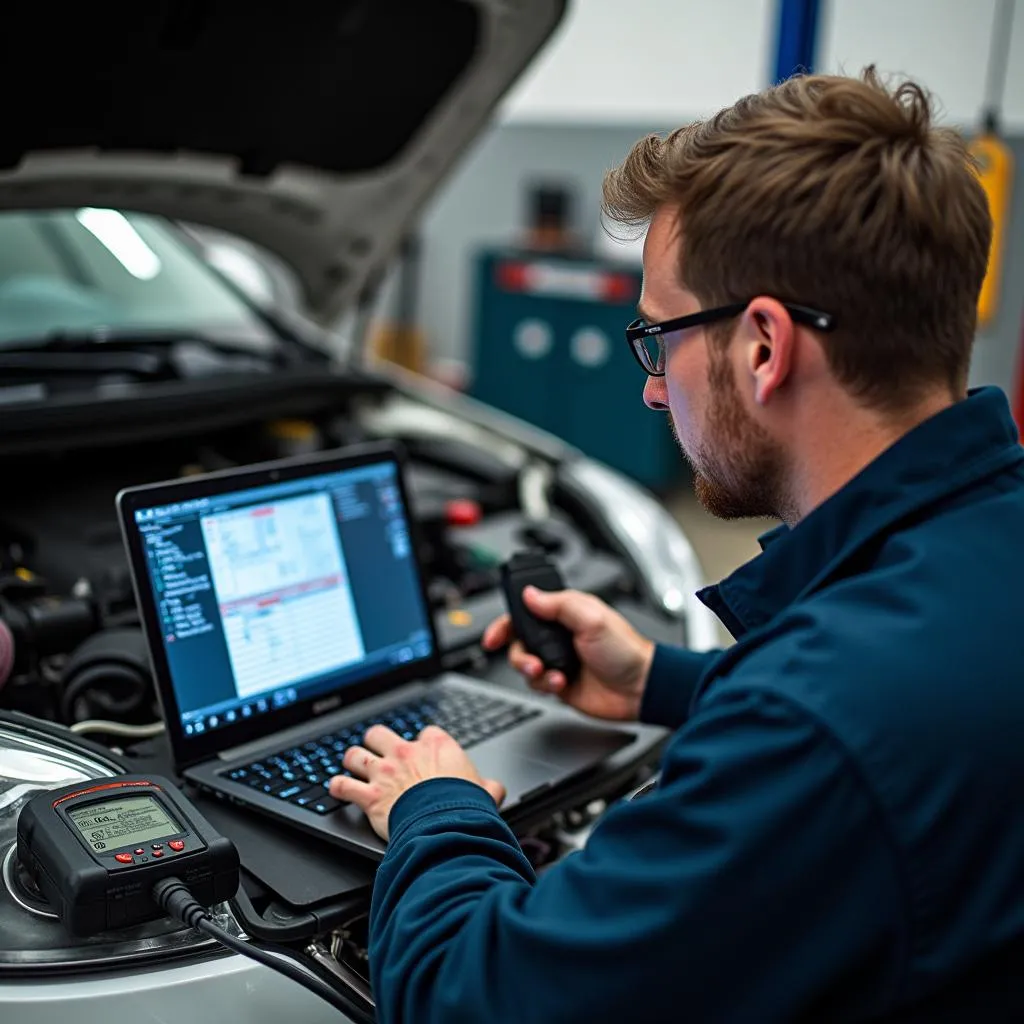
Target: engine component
column 110, row 675
column 6, row 652
column 41, row 627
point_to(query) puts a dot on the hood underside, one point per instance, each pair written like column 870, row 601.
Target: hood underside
column 317, row 130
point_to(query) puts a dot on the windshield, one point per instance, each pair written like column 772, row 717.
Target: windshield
column 90, row 269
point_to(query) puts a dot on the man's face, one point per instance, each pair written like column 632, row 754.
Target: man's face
column 738, row 467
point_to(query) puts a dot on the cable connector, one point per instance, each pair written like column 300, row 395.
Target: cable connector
column 173, row 897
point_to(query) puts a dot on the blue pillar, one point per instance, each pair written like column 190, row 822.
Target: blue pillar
column 797, row 37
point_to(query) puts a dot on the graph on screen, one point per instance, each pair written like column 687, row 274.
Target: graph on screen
column 283, row 592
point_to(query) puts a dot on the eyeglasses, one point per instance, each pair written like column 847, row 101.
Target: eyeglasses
column 648, row 340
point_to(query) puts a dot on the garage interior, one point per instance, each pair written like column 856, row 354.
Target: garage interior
column 311, row 331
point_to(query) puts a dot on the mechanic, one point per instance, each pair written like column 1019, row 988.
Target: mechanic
column 837, row 832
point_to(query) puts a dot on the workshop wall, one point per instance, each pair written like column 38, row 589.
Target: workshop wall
column 672, row 59
column 604, row 81
column 483, row 206
column 943, row 43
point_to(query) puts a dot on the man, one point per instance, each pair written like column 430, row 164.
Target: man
column 838, row 831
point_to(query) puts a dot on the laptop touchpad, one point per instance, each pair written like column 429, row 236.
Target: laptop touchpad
column 566, row 744
column 545, row 752
column 508, row 766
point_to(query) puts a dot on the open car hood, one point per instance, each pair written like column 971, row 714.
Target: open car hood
column 315, row 129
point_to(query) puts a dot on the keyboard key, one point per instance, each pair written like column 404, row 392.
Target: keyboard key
column 308, row 796
column 325, row 805
column 288, row 792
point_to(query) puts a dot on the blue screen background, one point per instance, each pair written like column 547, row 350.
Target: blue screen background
column 385, row 588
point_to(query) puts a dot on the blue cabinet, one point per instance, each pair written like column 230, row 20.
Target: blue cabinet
column 549, row 347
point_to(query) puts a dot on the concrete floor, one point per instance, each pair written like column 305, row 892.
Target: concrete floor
column 721, row 546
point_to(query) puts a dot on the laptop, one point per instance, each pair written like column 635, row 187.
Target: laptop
column 286, row 612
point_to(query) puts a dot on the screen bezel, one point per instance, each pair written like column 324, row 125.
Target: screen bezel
column 190, row 750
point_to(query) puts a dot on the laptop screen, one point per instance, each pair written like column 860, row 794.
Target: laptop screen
column 283, row 592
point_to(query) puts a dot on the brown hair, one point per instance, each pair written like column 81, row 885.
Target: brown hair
column 837, row 193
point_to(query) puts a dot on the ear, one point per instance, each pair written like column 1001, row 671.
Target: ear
column 769, row 340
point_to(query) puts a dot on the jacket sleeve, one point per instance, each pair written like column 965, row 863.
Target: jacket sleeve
column 671, row 684
column 754, row 882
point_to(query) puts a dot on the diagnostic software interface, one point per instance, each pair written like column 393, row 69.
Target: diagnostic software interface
column 278, row 593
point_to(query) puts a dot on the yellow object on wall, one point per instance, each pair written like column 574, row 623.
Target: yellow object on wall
column 995, row 169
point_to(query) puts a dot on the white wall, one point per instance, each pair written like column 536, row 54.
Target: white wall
column 647, row 61
column 942, row 43
column 661, row 61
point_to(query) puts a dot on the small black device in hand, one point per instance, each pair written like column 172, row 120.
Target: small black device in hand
column 96, row 849
column 549, row 641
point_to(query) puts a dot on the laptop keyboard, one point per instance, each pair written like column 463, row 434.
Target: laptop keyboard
column 301, row 774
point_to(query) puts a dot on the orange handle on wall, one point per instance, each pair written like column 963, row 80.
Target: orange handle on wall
column 995, row 171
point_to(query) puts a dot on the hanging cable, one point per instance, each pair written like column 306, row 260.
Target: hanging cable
column 998, row 64
column 993, row 159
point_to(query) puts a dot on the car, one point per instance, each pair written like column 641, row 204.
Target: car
column 129, row 352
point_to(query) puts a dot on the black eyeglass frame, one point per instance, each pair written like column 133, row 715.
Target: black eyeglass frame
column 638, row 332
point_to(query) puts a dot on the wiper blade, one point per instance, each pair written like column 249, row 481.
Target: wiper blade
column 131, row 339
column 140, row 353
column 146, row 365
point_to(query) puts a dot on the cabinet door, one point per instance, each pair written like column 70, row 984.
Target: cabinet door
column 608, row 418
column 515, row 344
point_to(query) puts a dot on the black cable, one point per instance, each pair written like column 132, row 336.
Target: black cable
column 173, row 897
column 998, row 64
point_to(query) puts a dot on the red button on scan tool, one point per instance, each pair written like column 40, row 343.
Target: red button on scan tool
column 124, row 858
column 177, row 845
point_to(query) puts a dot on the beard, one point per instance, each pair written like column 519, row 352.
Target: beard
column 738, row 470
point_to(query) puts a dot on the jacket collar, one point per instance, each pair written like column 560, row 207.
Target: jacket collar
column 959, row 446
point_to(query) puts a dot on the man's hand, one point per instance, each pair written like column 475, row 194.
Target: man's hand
column 387, row 766
column 615, row 657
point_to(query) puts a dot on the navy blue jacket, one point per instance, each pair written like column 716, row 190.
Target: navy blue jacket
column 839, row 827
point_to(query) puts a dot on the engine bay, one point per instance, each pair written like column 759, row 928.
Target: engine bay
column 70, row 643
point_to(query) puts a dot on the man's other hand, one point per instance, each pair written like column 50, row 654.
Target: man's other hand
column 387, row 765
column 615, row 657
